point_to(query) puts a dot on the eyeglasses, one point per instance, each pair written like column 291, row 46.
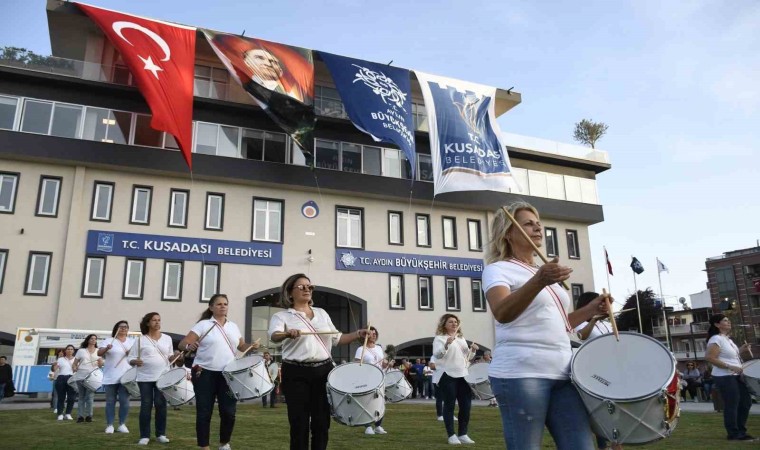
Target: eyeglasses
column 304, row 287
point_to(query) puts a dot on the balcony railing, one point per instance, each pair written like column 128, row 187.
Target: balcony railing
column 683, row 329
column 557, row 148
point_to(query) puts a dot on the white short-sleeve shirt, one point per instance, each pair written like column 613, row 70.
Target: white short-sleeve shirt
column 536, row 344
column 87, row 361
column 116, row 361
column 373, row 355
column 219, row 347
column 155, row 356
column 308, row 348
column 600, row 328
column 65, row 366
column 729, row 354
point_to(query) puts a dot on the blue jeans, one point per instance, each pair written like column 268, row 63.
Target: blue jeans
column 527, row 404
column 86, row 396
column 150, row 396
column 2, row 391
column 455, row 390
column 112, row 390
column 736, row 404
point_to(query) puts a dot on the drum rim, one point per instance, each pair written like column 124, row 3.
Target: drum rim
column 380, row 386
column 168, row 372
column 627, row 399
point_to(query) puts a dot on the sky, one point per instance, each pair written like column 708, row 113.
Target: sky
column 677, row 83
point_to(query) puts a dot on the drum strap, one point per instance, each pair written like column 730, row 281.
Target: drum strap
column 316, row 336
column 550, row 290
column 155, row 345
column 226, row 338
column 126, row 351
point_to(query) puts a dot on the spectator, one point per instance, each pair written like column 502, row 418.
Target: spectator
column 693, row 381
column 419, row 378
column 6, row 378
column 427, row 372
column 707, row 382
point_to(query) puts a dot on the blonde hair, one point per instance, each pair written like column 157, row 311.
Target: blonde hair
column 441, row 329
column 499, row 247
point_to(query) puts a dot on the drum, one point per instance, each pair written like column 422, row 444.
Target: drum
column 248, row 377
column 175, row 386
column 397, row 388
column 93, row 380
column 630, row 388
column 355, row 394
column 751, row 371
column 129, row 381
column 478, row 380
column 78, row 376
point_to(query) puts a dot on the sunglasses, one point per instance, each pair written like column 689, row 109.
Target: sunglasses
column 305, row 287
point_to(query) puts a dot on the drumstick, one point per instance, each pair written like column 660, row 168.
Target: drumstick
column 138, row 347
column 530, row 241
column 171, row 363
column 612, row 316
column 749, row 349
column 364, row 347
column 251, row 346
column 304, row 333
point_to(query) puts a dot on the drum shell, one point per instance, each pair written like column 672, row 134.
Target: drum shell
column 175, row 387
column 248, row 382
column 129, row 381
column 477, row 378
column 751, row 373
column 364, row 406
column 94, row 380
column 397, row 388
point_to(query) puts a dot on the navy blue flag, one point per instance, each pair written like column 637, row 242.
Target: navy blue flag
column 377, row 98
column 636, row 265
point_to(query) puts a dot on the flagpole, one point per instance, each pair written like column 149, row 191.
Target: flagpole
column 638, row 307
column 662, row 298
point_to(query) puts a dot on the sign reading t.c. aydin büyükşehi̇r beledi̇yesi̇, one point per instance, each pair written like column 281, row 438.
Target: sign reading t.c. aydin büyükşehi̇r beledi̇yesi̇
column 183, row 248
column 365, row 261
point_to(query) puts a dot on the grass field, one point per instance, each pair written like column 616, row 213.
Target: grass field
column 411, row 426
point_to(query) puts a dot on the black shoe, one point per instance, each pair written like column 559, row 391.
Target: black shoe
column 88, row 419
column 272, row 406
column 746, row 437
column 80, row 419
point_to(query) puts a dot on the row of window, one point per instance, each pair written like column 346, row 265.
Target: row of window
column 397, row 298
column 552, row 243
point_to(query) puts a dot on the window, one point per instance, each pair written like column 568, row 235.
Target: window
column 141, row 196
column 105, row 125
column 552, row 247
column 38, row 273
column 395, row 228
column 423, row 230
column 48, row 196
column 8, row 185
column 350, row 157
column 392, row 163
column 327, row 102
column 726, row 283
column 573, row 251
column 178, row 208
column 214, row 211
column 172, row 281
column 219, row 140
column 373, row 164
column 397, row 291
column 56, row 119
column 267, row 220
column 3, row 260
column 419, row 113
column 478, row 298
column 426, row 292
column 349, row 228
column 147, row 136
column 8, row 107
column 264, row 146
column 327, row 154
column 576, row 290
column 211, row 82
column 209, row 281
column 452, row 294
column 425, row 168
column 102, row 199
column 449, row 232
column 473, row 235
column 134, row 274
column 94, row 273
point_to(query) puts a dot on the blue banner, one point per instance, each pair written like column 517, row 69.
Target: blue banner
column 377, row 98
column 135, row 245
column 364, row 261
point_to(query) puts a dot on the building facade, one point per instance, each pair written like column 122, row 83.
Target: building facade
column 100, row 219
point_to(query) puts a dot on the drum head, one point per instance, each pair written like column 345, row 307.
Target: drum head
column 636, row 367
column 752, row 369
column 171, row 377
column 393, row 377
column 478, row 373
column 243, row 363
column 129, row 376
column 353, row 378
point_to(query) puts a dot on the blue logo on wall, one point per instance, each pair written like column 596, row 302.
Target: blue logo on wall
column 310, row 209
column 366, row 261
column 105, row 242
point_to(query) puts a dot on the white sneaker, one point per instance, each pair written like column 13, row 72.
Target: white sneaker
column 109, row 429
column 455, row 419
column 60, row 417
column 55, row 411
column 464, row 439
column 440, row 418
column 369, row 430
column 143, row 441
column 225, row 447
column 380, row 430
column 122, row 429
column 163, row 439
column 68, row 417
column 454, row 440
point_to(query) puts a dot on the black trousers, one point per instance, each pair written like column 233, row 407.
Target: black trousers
column 210, row 385
column 305, row 390
column 66, row 394
column 455, row 390
column 271, row 395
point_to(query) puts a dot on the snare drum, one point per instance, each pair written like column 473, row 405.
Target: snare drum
column 751, row 371
column 78, row 376
column 94, row 380
column 629, row 387
column 248, row 377
column 397, row 388
column 355, row 394
column 129, row 381
column 478, row 380
column 175, row 386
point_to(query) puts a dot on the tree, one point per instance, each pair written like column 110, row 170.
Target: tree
column 588, row 132
column 629, row 320
column 29, row 58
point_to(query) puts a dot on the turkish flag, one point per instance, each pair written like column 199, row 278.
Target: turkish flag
column 161, row 57
column 609, row 264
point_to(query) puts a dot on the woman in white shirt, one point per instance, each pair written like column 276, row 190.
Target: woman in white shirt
column 85, row 361
column 530, row 371
column 213, row 352
column 64, row 366
column 151, row 355
column 725, row 357
column 307, row 360
column 115, row 352
column 453, row 355
column 374, row 355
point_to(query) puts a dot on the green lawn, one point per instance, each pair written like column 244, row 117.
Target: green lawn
column 411, row 426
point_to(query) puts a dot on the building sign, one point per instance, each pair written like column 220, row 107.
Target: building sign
column 135, row 245
column 364, row 261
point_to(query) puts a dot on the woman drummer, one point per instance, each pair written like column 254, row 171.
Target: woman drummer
column 374, row 355
column 221, row 339
column 306, row 361
column 115, row 352
column 64, row 365
column 151, row 357
column 531, row 360
column 452, row 353
column 85, row 361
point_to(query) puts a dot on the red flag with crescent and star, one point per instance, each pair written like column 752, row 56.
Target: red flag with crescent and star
column 161, row 58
